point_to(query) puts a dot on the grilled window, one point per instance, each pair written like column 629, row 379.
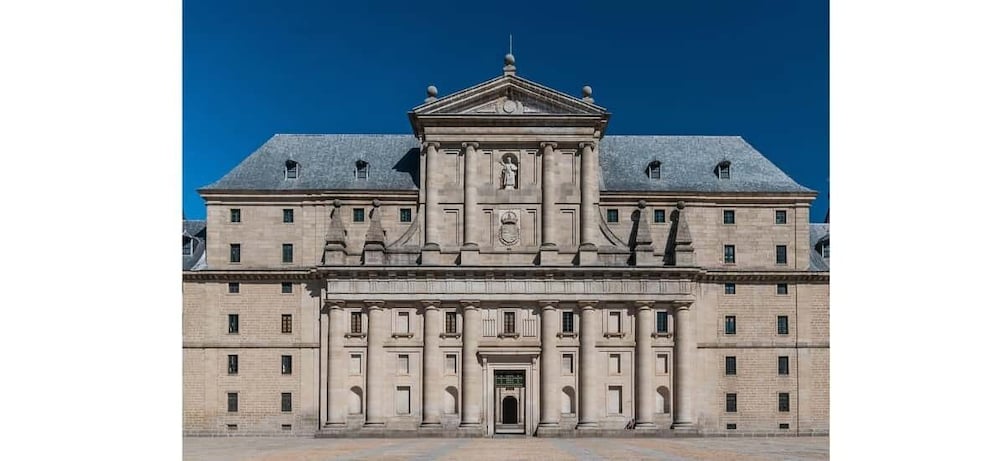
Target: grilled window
column 405, row 215
column 659, row 216
column 730, row 365
column 782, row 288
column 362, row 169
column 722, row 170
column 451, row 322
column 728, row 216
column 781, row 254
column 286, row 401
column 287, row 323
column 287, row 252
column 356, row 322
column 232, row 364
column 287, row 287
column 662, row 324
column 509, row 322
column 235, row 215
column 287, row 215
column 730, row 288
column 730, row 325
column 358, row 215
column 783, row 324
column 612, row 215
column 780, row 217
column 292, row 169
column 235, row 252
column 232, row 402
column 568, row 324
column 783, row 365
column 731, row 403
column 232, row 323
column 286, row 366
column 653, row 170
column 783, row 401
column 233, row 287
column 729, row 254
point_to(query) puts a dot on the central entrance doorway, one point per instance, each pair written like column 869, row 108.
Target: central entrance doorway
column 510, row 392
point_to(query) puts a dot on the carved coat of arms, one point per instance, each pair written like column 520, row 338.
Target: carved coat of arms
column 509, row 228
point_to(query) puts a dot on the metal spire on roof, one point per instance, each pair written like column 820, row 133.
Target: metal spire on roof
column 510, row 62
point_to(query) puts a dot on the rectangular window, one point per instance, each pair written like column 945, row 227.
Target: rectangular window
column 358, row 214
column 783, row 365
column 287, row 323
column 567, row 364
column 783, row 401
column 232, row 364
column 355, row 364
column 235, row 215
column 450, row 366
column 614, row 364
column 782, row 289
column 233, row 324
column 783, row 324
column 825, row 250
column 509, row 322
column 401, row 322
column 780, row 217
column 287, row 215
column 405, row 215
column 614, row 400
column 287, row 365
column 287, row 252
column 287, row 287
column 730, row 426
column 612, row 215
column 659, row 216
column 729, row 254
column 728, row 217
column 356, row 322
column 186, row 247
column 403, row 364
column 781, row 254
column 286, row 402
column 730, row 365
column 730, row 324
column 663, row 363
column 451, row 322
column 568, row 323
column 614, row 322
column 235, row 252
column 232, row 402
column 662, row 324
column 403, row 400
column 730, row 403
column 730, row 288
column 233, row 287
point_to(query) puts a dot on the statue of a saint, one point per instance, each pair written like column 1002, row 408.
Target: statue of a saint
column 509, row 173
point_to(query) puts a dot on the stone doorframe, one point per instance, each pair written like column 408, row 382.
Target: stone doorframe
column 511, row 360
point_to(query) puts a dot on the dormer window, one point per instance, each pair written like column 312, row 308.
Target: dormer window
column 362, row 169
column 653, row 170
column 722, row 170
column 825, row 249
column 186, row 246
column 292, row 169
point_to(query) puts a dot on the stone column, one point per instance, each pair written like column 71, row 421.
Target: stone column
column 548, row 186
column 431, row 365
column 589, row 364
column 432, row 237
column 589, row 195
column 644, row 364
column 471, row 379
column 376, row 333
column 683, row 389
column 551, row 409
column 336, row 407
column 470, row 191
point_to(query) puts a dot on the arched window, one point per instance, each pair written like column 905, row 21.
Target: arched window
column 663, row 399
column 653, row 170
column 450, row 400
column 355, row 401
column 568, row 400
column 722, row 169
column 292, row 169
column 362, row 169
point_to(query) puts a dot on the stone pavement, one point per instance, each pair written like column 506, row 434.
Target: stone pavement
column 309, row 449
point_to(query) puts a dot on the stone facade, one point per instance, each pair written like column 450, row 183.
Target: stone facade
column 498, row 276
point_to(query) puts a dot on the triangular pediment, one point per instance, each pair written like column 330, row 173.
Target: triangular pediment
column 509, row 95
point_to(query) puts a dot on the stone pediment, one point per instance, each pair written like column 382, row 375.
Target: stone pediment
column 508, row 95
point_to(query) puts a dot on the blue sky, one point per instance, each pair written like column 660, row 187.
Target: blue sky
column 753, row 68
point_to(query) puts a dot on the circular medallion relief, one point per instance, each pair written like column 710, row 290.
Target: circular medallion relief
column 509, row 107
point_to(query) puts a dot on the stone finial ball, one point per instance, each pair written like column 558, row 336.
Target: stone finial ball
column 587, row 91
column 337, row 203
column 431, row 91
column 376, row 202
column 680, row 205
column 642, row 203
column 509, row 59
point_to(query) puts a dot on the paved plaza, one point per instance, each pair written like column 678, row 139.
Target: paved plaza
column 309, row 449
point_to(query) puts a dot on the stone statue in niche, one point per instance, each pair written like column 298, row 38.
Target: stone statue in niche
column 509, row 170
column 509, row 228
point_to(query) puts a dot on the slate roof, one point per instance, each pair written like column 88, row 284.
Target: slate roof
column 194, row 228
column 328, row 162
column 818, row 232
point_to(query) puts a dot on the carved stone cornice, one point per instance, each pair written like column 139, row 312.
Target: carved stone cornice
column 252, row 274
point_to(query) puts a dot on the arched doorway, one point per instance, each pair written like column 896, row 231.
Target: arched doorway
column 509, row 410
